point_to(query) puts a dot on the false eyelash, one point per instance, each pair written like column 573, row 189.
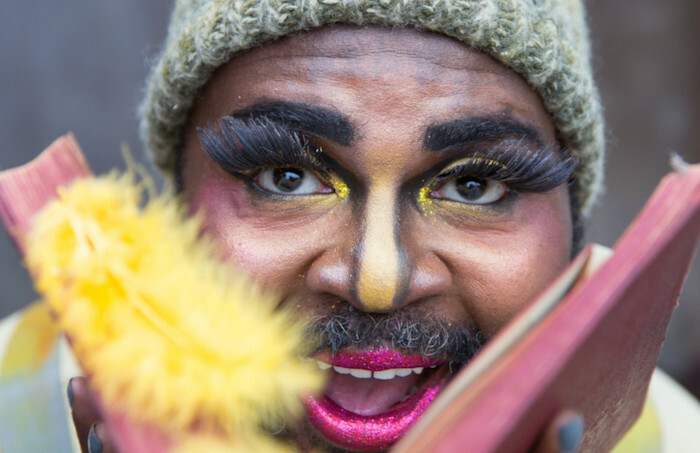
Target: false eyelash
column 534, row 171
column 243, row 146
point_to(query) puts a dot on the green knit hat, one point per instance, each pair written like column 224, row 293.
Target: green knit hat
column 545, row 41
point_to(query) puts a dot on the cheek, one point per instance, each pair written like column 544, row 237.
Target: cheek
column 502, row 271
column 273, row 246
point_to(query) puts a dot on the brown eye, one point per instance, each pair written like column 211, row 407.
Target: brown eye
column 287, row 179
column 291, row 181
column 471, row 190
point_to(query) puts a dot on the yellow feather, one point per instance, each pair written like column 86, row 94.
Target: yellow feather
column 165, row 331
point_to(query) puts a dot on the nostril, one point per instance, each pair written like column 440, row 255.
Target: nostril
column 334, row 277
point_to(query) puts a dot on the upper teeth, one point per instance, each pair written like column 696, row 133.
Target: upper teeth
column 365, row 374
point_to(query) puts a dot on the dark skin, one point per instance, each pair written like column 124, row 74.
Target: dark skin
column 385, row 245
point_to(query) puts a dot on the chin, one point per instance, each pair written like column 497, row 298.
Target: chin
column 373, row 398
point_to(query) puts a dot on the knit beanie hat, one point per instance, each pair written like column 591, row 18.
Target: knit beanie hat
column 545, row 41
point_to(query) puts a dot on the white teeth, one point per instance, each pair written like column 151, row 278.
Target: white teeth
column 403, row 372
column 341, row 370
column 385, row 375
column 362, row 374
column 322, row 365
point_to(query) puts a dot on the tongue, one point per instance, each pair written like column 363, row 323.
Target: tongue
column 368, row 396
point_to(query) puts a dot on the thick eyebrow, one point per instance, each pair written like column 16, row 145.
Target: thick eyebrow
column 465, row 132
column 310, row 119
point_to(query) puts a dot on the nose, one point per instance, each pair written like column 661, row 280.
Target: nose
column 382, row 268
column 379, row 265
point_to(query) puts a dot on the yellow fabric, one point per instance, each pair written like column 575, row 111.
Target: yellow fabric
column 645, row 435
column 31, row 343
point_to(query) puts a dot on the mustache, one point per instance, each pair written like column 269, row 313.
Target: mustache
column 408, row 331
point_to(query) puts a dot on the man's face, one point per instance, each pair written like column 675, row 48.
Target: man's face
column 382, row 181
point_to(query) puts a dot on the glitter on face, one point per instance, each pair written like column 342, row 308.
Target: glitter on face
column 474, row 160
column 340, row 188
column 378, row 360
column 424, row 199
column 371, row 433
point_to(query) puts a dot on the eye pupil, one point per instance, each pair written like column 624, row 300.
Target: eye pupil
column 287, row 179
column 471, row 188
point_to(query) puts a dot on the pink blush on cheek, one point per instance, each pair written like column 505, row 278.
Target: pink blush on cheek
column 226, row 217
column 219, row 199
column 253, row 238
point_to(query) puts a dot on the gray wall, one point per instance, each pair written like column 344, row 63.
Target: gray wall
column 648, row 67
column 79, row 66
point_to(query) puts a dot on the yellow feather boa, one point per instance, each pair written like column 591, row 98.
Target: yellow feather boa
column 165, row 331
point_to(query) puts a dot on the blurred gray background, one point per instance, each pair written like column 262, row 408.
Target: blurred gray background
column 79, row 66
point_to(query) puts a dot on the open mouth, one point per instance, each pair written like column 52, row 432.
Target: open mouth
column 374, row 397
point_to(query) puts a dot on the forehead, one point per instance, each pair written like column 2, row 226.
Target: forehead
column 402, row 77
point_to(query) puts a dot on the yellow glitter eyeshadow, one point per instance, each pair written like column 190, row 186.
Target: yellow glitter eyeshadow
column 341, row 189
column 490, row 162
column 475, row 160
column 424, row 199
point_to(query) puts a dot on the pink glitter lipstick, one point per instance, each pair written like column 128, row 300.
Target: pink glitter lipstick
column 372, row 414
column 378, row 360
